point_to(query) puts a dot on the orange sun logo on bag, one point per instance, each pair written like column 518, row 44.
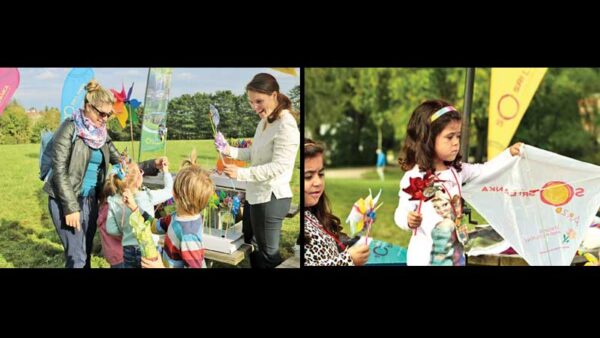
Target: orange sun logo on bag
column 558, row 193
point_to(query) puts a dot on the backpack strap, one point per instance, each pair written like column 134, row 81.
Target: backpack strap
column 74, row 136
column 74, row 131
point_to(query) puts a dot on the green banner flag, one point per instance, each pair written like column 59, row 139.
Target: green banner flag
column 154, row 125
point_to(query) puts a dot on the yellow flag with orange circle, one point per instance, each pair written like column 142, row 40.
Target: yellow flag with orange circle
column 511, row 92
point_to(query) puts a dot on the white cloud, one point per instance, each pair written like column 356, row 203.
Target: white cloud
column 185, row 76
column 47, row 74
column 135, row 72
column 30, row 97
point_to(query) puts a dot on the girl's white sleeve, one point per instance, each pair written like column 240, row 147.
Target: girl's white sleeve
column 112, row 226
column 162, row 195
column 404, row 205
column 471, row 171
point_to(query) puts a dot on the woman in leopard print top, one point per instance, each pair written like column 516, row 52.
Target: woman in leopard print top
column 322, row 229
column 320, row 249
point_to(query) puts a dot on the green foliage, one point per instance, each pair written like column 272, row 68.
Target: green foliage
column 552, row 121
column 15, row 126
column 187, row 119
column 188, row 116
column 351, row 108
column 294, row 96
column 49, row 121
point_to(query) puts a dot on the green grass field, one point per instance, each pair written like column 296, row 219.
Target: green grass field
column 344, row 192
column 27, row 236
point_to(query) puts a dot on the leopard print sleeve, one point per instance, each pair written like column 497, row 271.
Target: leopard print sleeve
column 321, row 249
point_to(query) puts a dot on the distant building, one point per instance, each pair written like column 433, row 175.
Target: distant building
column 33, row 114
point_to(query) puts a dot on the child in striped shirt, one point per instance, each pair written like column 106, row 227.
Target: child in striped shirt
column 183, row 228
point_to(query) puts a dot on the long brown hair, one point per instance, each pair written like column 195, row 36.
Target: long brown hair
column 322, row 210
column 266, row 84
column 108, row 190
column 419, row 145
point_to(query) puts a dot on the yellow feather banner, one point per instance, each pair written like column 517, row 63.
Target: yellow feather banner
column 290, row 71
column 511, row 92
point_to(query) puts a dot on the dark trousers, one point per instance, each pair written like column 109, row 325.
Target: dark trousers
column 262, row 228
column 132, row 257
column 77, row 244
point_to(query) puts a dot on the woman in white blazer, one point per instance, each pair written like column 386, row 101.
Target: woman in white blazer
column 272, row 157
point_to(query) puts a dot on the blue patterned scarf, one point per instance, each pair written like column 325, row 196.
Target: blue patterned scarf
column 92, row 136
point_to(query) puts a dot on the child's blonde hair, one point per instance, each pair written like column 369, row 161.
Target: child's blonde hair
column 192, row 187
column 97, row 95
column 119, row 185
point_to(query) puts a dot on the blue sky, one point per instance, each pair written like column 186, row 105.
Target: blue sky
column 40, row 87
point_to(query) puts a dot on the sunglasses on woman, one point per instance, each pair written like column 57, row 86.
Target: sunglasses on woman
column 101, row 113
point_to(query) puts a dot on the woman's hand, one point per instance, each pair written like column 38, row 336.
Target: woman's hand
column 221, row 144
column 515, row 149
column 73, row 220
column 359, row 254
column 129, row 200
column 230, row 170
column 414, row 220
column 165, row 167
column 161, row 162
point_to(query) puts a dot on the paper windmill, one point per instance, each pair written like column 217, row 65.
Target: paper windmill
column 214, row 114
column 236, row 206
column 363, row 214
column 125, row 105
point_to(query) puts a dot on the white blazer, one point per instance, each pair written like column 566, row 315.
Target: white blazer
column 272, row 157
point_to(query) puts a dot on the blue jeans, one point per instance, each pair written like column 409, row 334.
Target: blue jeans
column 118, row 266
column 77, row 244
column 132, row 257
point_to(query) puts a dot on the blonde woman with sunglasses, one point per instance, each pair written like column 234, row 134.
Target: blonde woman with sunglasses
column 81, row 154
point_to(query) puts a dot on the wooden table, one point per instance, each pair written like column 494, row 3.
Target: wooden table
column 233, row 258
column 508, row 260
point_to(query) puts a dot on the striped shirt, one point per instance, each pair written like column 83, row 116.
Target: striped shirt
column 183, row 241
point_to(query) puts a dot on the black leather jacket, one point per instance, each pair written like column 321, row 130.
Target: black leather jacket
column 69, row 164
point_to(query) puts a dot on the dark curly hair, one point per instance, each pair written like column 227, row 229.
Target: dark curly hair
column 419, row 145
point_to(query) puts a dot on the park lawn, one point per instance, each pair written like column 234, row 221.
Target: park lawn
column 27, row 235
column 343, row 192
